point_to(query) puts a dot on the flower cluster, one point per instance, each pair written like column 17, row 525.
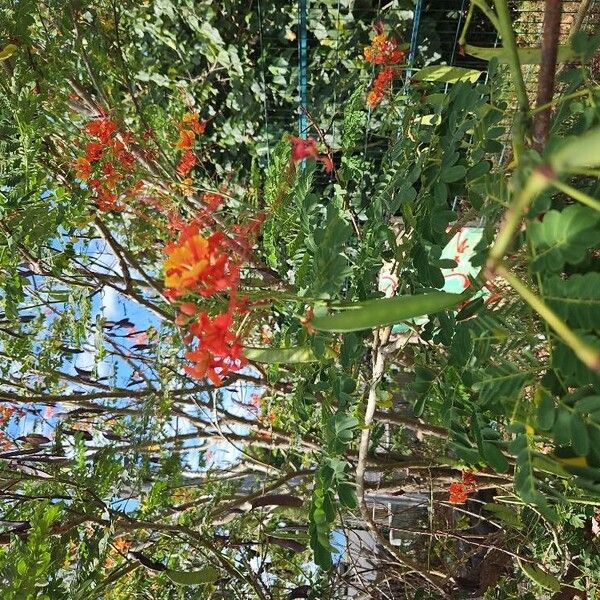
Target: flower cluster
column 199, row 265
column 307, row 148
column 380, row 84
column 107, row 164
column 189, row 127
column 382, row 51
column 219, row 350
column 459, row 490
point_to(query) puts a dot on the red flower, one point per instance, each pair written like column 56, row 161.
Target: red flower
column 93, row 151
column 212, row 201
column 458, row 493
column 383, row 51
column 469, row 479
column 187, row 163
column 302, row 149
column 107, row 201
column 327, row 163
column 381, row 83
column 102, row 128
column 218, row 348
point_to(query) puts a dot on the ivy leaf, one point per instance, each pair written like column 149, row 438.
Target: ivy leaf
column 563, row 237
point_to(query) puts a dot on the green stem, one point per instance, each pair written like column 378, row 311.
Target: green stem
column 577, row 195
column 510, row 45
column 561, row 99
column 463, row 35
column 487, row 11
column 536, row 183
column 586, row 353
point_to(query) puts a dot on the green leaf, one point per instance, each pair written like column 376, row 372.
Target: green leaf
column 494, row 457
column 563, row 237
column 282, row 355
column 546, row 411
column 446, row 74
column 204, row 575
column 452, row 174
column 541, row 577
column 385, row 311
column 575, row 299
column 347, row 494
column 8, row 51
column 588, row 404
column 579, row 436
column 527, row 56
column 506, row 513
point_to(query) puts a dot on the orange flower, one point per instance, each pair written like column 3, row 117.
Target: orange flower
column 186, row 263
column 374, row 97
column 191, row 120
column 83, row 168
column 198, row 264
column 186, row 139
column 188, row 308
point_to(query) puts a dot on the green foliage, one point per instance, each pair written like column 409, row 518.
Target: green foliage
column 563, row 237
column 113, row 478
